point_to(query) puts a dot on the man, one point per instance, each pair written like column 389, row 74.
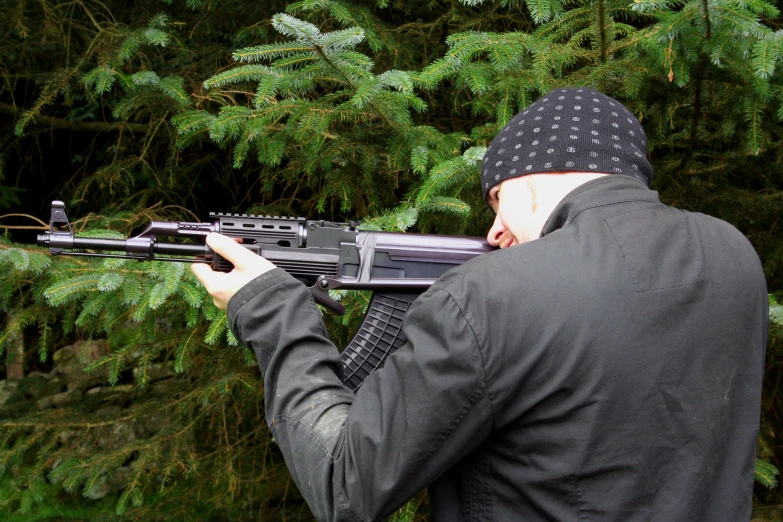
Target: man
column 604, row 364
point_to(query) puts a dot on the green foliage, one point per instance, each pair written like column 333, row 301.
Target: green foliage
column 341, row 109
column 775, row 312
column 96, row 291
column 768, row 462
column 404, row 514
column 766, row 474
column 336, row 139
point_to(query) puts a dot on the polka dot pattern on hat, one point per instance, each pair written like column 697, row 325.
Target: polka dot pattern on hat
column 568, row 129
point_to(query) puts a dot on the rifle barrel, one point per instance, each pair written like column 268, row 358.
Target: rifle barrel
column 131, row 246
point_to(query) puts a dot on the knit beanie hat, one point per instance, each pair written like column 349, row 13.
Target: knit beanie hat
column 573, row 129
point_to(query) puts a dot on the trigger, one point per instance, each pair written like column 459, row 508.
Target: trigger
column 321, row 296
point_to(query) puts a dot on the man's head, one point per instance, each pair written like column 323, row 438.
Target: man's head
column 564, row 139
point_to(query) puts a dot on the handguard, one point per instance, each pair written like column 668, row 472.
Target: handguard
column 325, row 256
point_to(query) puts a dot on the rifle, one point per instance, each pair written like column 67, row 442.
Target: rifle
column 397, row 267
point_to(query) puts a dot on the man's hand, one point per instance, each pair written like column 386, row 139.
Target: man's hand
column 247, row 266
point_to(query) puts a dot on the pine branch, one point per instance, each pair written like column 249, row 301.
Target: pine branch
column 602, row 28
column 79, row 126
column 696, row 118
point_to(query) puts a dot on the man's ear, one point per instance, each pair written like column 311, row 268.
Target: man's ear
column 493, row 198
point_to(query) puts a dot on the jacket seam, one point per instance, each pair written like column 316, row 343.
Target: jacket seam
column 484, row 510
column 481, row 354
column 625, row 260
column 575, row 480
column 491, row 514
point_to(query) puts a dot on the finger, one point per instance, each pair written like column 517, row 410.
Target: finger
column 231, row 250
column 203, row 273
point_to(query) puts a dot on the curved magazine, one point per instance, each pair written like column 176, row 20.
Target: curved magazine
column 379, row 336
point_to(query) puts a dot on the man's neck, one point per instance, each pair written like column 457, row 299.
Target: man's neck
column 549, row 190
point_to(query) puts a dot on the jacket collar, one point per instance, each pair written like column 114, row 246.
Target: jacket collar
column 608, row 190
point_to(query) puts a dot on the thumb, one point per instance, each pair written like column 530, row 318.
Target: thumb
column 231, row 250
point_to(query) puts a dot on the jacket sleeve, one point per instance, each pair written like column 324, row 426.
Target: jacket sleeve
column 359, row 457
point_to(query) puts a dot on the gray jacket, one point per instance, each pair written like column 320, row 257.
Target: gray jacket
column 610, row 370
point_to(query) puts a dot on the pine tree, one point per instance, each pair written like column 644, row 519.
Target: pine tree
column 331, row 108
